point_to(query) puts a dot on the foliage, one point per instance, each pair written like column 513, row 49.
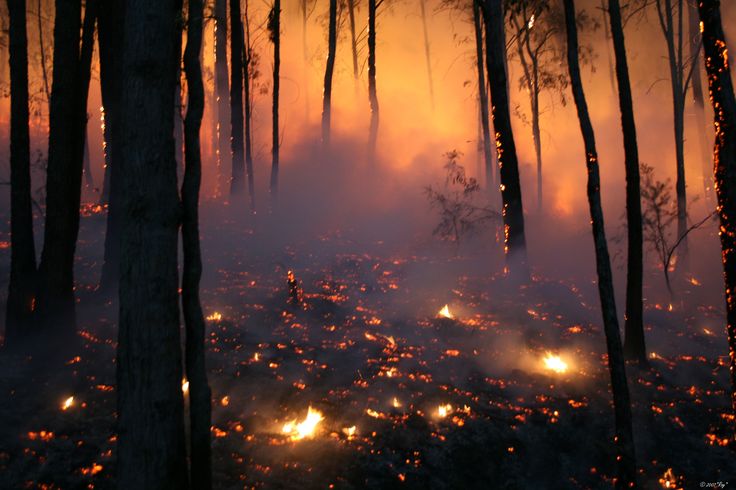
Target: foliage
column 462, row 209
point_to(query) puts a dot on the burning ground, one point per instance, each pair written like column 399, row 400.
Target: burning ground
column 372, row 369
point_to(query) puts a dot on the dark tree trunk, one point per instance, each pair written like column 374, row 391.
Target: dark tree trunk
column 427, row 55
column 22, row 247
column 634, row 346
column 247, row 53
column 329, row 68
column 720, row 86
column 199, row 390
column 89, row 181
column 55, row 295
column 42, row 50
column 223, row 89
column 699, row 101
column 624, row 440
column 353, row 43
column 372, row 90
column 151, row 442
column 110, row 44
column 275, row 28
column 513, row 210
column 237, row 185
column 483, row 98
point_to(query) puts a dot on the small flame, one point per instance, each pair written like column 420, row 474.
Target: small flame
column 554, row 363
column 185, row 386
column 67, row 403
column 530, row 24
column 445, row 312
column 305, row 428
column 395, row 403
column 214, row 317
column 444, row 410
column 349, row 432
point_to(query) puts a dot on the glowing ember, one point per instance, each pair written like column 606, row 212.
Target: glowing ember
column 305, row 428
column 185, row 386
column 445, row 313
column 669, row 480
column 225, row 401
column 215, row 317
column 395, row 403
column 554, row 363
column 444, row 410
column 67, row 403
column 349, row 432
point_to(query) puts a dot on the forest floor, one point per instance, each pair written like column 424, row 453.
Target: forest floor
column 407, row 399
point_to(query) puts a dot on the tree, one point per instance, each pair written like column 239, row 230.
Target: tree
column 483, row 97
column 512, row 207
column 696, row 45
column 634, row 345
column 237, row 185
column 624, row 441
column 110, row 47
column 199, row 390
column 55, row 302
column 248, row 76
column 222, row 86
column 274, row 28
column 670, row 14
column 329, row 68
column 353, row 43
column 427, row 56
column 23, row 250
column 151, row 441
column 372, row 90
column 535, row 27
column 722, row 97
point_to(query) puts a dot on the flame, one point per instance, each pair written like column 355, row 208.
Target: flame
column 669, row 480
column 445, row 313
column 554, row 363
column 444, row 410
column 349, row 431
column 395, row 403
column 67, row 403
column 185, row 386
column 214, row 317
column 305, row 428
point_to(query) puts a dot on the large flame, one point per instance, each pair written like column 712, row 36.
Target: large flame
column 444, row 410
column 445, row 312
column 555, row 363
column 305, row 428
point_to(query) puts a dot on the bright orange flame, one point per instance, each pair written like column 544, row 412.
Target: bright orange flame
column 305, row 428
column 445, row 313
column 554, row 363
column 67, row 403
column 214, row 317
column 444, row 410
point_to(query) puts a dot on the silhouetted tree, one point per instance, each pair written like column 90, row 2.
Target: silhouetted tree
column 199, row 390
column 329, row 69
column 483, row 96
column 222, row 87
column 624, row 441
column 634, row 345
column 512, row 210
column 372, row 90
column 720, row 86
column 274, row 28
column 427, row 56
column 55, row 304
column 237, row 185
column 248, row 75
column 22, row 248
column 151, row 442
column 353, row 42
column 110, row 47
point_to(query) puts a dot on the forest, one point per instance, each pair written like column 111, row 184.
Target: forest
column 367, row 244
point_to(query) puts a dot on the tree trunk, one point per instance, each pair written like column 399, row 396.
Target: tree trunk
column 42, row 49
column 513, row 210
column 247, row 52
column 89, row 181
column 353, row 43
column 720, row 86
column 151, row 442
column 536, row 133
column 223, row 89
column 237, row 186
column 110, row 45
column 624, row 441
column 22, row 248
column 483, row 97
column 105, row 193
column 275, row 27
column 634, row 346
column 700, row 125
column 199, row 390
column 329, row 68
column 427, row 56
column 55, row 296
column 372, row 91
